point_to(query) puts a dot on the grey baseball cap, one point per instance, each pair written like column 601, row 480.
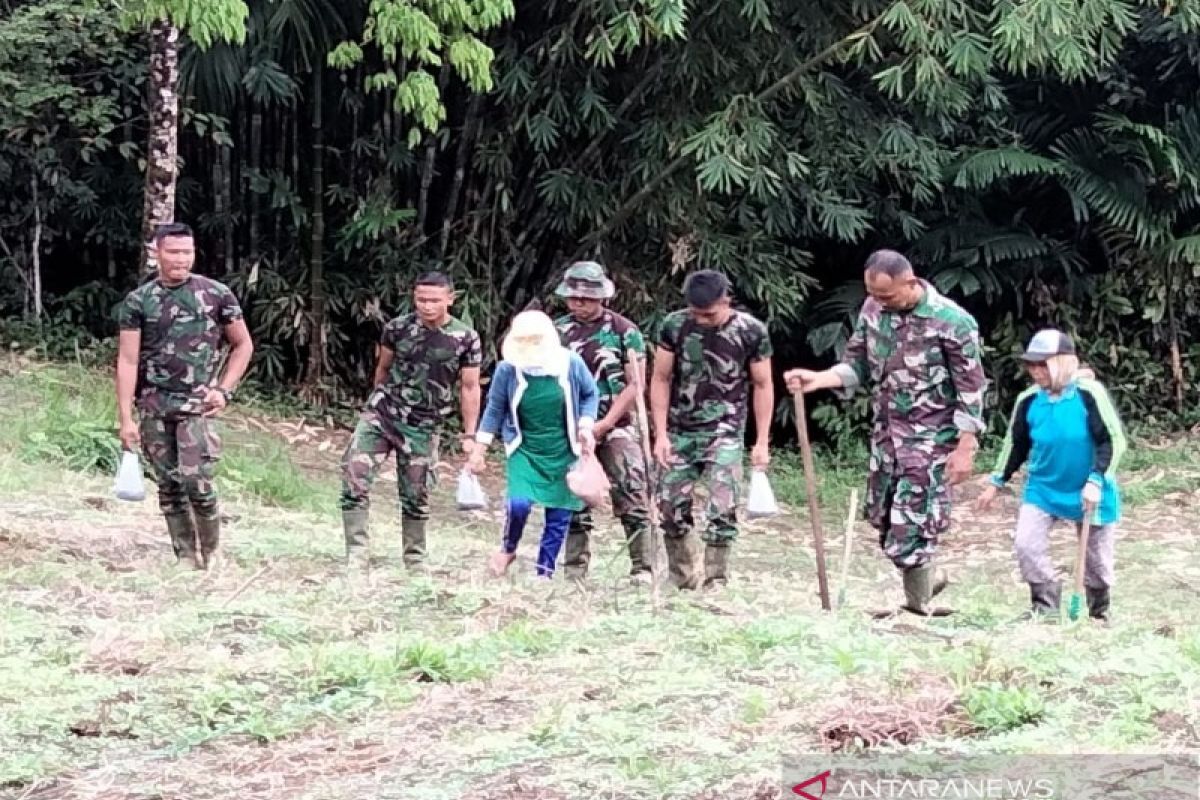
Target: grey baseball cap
column 1047, row 344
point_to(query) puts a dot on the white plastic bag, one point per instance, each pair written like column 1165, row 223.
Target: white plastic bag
column 761, row 502
column 470, row 492
column 128, row 484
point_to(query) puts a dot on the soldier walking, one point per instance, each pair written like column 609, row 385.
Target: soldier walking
column 707, row 357
column 422, row 358
column 919, row 352
column 171, row 333
column 612, row 347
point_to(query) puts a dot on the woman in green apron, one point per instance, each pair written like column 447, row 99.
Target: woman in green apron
column 542, row 403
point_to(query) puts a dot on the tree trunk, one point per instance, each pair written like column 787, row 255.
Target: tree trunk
column 256, row 127
column 225, row 166
column 35, row 252
column 296, row 150
column 1176, row 356
column 27, row 294
column 355, row 124
column 466, row 138
column 220, row 209
column 162, row 169
column 317, row 345
column 281, row 142
column 429, row 168
column 16, row 259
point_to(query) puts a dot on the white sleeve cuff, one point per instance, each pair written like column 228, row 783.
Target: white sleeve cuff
column 850, row 381
column 967, row 423
column 484, row 438
column 586, row 423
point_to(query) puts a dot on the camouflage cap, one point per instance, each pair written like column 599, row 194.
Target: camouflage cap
column 586, row 279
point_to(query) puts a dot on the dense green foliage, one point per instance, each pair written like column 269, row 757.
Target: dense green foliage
column 1039, row 159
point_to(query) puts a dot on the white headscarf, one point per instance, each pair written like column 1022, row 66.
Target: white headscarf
column 1063, row 369
column 533, row 346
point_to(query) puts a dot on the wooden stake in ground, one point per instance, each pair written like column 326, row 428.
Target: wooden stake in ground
column 246, row 585
column 849, row 540
column 656, row 567
column 814, row 508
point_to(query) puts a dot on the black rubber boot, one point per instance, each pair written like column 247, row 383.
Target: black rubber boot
column 1045, row 599
column 183, row 539
column 716, row 566
column 1098, row 601
column 354, row 524
column 577, row 551
column 918, row 589
column 412, row 534
column 681, row 560
column 208, row 530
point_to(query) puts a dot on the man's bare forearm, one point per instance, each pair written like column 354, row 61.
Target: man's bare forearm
column 126, row 385
column 469, row 398
column 660, row 399
column 764, row 407
column 239, row 362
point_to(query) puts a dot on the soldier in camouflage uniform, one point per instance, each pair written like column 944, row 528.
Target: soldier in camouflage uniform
column 172, row 328
column 707, row 357
column 920, row 354
column 609, row 344
column 423, row 356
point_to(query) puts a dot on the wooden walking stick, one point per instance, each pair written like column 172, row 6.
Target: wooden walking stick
column 1075, row 605
column 656, row 567
column 814, row 510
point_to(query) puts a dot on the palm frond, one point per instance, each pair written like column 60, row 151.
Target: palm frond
column 213, row 76
column 983, row 168
column 1183, row 250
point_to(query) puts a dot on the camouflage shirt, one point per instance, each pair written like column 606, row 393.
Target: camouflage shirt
column 182, row 331
column 710, row 384
column 419, row 388
column 605, row 345
column 924, row 367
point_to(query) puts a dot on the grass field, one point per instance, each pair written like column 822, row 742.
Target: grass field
column 123, row 678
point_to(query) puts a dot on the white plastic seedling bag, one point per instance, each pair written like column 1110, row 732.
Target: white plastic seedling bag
column 128, row 484
column 761, row 502
column 470, row 492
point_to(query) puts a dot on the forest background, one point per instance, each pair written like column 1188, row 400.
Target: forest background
column 1039, row 160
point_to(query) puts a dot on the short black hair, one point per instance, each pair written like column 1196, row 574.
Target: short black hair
column 705, row 288
column 168, row 229
column 888, row 262
column 440, row 279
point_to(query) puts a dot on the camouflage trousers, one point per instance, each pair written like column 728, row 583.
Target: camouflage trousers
column 715, row 459
column 908, row 499
column 183, row 451
column 375, row 439
column 621, row 455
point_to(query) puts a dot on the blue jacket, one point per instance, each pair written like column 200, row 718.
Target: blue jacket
column 504, row 396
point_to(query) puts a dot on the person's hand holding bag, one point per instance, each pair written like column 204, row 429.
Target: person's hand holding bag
column 587, row 442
